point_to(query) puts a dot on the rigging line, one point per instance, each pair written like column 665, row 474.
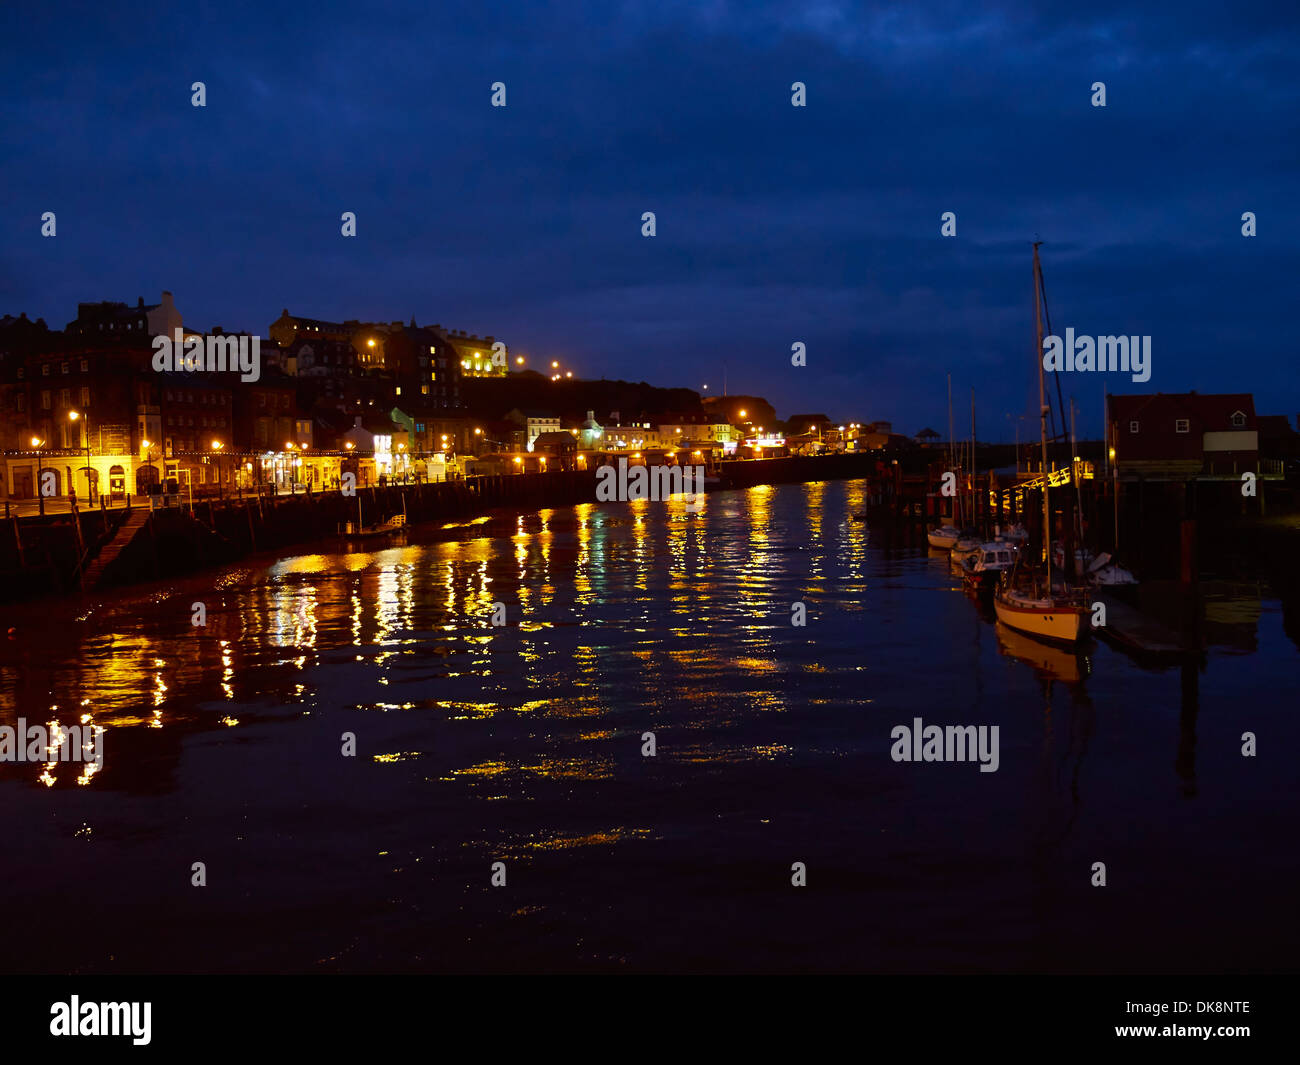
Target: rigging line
column 1056, row 374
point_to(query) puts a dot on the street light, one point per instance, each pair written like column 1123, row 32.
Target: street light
column 37, row 443
column 73, row 416
column 148, row 457
column 216, row 447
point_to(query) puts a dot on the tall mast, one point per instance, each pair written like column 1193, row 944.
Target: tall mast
column 952, row 449
column 974, row 509
column 1042, row 413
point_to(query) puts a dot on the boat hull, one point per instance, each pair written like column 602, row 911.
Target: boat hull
column 1058, row 622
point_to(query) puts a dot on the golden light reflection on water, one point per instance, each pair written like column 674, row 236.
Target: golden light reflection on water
column 554, row 768
column 671, row 604
column 814, row 516
column 710, row 755
column 590, row 839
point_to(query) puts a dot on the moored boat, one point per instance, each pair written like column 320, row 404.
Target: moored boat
column 983, row 568
column 1057, row 617
column 394, row 526
column 387, row 530
column 943, row 537
column 1106, row 571
column 1032, row 602
column 964, row 548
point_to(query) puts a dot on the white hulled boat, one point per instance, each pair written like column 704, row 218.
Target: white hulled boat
column 964, row 548
column 984, row 568
column 944, row 537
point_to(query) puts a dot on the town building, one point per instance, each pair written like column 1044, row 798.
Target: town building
column 1183, row 435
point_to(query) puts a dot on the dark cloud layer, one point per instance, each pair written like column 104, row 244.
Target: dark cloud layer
column 776, row 224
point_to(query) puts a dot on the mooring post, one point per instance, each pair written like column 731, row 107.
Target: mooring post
column 1188, row 550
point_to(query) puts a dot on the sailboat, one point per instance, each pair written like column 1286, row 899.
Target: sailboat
column 970, row 542
column 392, row 527
column 1037, row 606
column 944, row 537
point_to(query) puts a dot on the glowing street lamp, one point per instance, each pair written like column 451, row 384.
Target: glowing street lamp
column 37, row 444
column 148, row 455
column 72, row 417
column 217, row 445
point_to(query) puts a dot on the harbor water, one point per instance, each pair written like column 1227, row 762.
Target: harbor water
column 526, row 743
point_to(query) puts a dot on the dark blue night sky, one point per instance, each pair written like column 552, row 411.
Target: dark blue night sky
column 775, row 224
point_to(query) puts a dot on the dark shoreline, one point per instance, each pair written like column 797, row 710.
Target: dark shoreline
column 225, row 531
column 220, row 533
